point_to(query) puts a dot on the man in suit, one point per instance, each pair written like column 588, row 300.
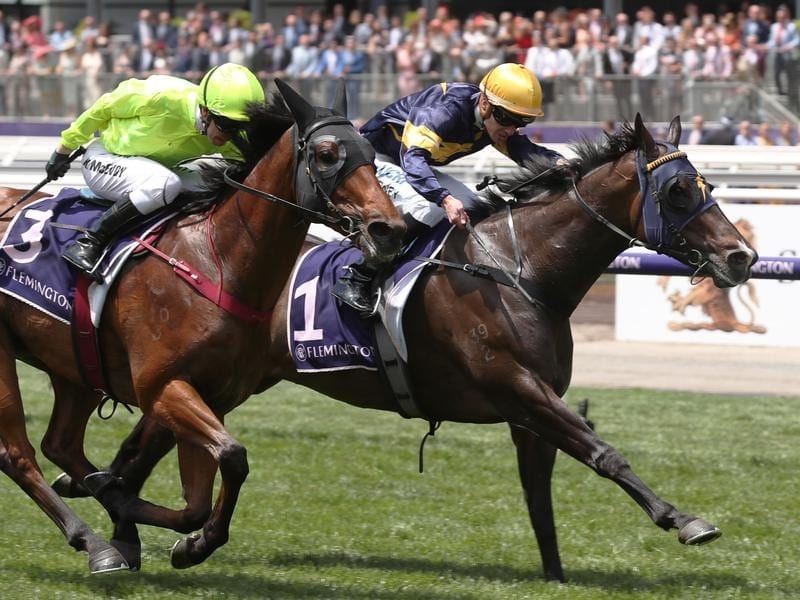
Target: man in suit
column 165, row 32
column 616, row 65
column 143, row 31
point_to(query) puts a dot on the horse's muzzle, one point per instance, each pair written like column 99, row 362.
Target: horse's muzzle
column 736, row 267
column 380, row 241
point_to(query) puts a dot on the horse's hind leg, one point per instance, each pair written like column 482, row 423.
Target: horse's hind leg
column 136, row 458
column 535, row 459
column 19, row 463
column 141, row 451
column 63, row 444
column 543, row 412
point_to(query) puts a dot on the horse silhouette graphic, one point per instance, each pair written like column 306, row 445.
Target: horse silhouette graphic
column 716, row 302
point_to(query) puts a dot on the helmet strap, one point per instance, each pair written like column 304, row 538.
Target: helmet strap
column 205, row 121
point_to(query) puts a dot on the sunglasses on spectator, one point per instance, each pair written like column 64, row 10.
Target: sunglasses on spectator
column 226, row 125
column 505, row 118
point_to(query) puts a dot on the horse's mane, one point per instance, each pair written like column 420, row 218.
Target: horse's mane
column 538, row 176
column 268, row 122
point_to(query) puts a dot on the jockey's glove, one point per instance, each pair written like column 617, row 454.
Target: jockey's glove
column 58, row 165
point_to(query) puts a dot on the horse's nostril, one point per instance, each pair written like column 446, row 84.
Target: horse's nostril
column 382, row 233
column 742, row 259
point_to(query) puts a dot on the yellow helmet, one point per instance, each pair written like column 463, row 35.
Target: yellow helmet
column 514, row 88
column 227, row 89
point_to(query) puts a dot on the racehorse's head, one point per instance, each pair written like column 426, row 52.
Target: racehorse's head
column 336, row 173
column 681, row 217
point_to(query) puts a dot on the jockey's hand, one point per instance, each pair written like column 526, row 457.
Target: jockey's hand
column 57, row 166
column 455, row 211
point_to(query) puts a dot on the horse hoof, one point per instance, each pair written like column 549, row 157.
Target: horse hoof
column 132, row 553
column 66, row 487
column 698, row 532
column 179, row 555
column 107, row 561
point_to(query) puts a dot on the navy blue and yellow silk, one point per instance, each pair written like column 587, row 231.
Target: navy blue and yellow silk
column 435, row 127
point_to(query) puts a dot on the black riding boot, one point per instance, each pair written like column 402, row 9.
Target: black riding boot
column 354, row 288
column 88, row 247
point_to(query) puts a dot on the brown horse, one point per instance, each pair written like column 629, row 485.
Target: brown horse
column 179, row 357
column 480, row 352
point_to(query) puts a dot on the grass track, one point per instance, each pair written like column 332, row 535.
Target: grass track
column 334, row 507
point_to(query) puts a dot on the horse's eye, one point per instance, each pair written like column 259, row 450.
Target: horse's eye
column 327, row 153
column 680, row 197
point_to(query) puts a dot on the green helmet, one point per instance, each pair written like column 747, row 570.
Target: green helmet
column 227, row 89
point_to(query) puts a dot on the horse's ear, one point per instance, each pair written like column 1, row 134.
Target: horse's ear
column 646, row 142
column 674, row 132
column 340, row 99
column 303, row 112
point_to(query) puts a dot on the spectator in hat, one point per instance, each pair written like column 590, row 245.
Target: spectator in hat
column 32, row 35
column 43, row 83
column 68, row 69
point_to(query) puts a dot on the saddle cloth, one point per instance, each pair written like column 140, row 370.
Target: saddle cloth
column 31, row 267
column 327, row 335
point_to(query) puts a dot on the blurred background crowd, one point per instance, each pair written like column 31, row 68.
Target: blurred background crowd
column 740, row 69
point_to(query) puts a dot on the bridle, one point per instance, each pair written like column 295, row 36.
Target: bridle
column 662, row 221
column 315, row 183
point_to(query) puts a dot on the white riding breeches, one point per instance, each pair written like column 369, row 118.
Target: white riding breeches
column 148, row 184
column 393, row 180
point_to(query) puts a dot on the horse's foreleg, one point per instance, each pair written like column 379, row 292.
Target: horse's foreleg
column 535, row 459
column 200, row 434
column 18, row 461
column 197, row 474
column 545, row 413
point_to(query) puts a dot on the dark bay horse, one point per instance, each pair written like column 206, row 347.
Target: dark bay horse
column 178, row 356
column 479, row 352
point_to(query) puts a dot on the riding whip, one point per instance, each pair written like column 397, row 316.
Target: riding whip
column 80, row 150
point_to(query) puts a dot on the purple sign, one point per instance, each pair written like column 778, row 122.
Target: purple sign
column 767, row 267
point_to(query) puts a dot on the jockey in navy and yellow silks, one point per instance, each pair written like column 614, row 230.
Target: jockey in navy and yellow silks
column 433, row 128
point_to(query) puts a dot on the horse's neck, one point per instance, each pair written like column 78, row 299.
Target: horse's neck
column 257, row 239
column 564, row 249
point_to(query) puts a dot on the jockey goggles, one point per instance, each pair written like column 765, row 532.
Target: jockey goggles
column 226, row 125
column 506, row 118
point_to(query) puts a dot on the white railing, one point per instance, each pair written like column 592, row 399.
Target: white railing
column 740, row 174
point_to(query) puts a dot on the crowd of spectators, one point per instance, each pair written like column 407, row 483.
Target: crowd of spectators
column 613, row 50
